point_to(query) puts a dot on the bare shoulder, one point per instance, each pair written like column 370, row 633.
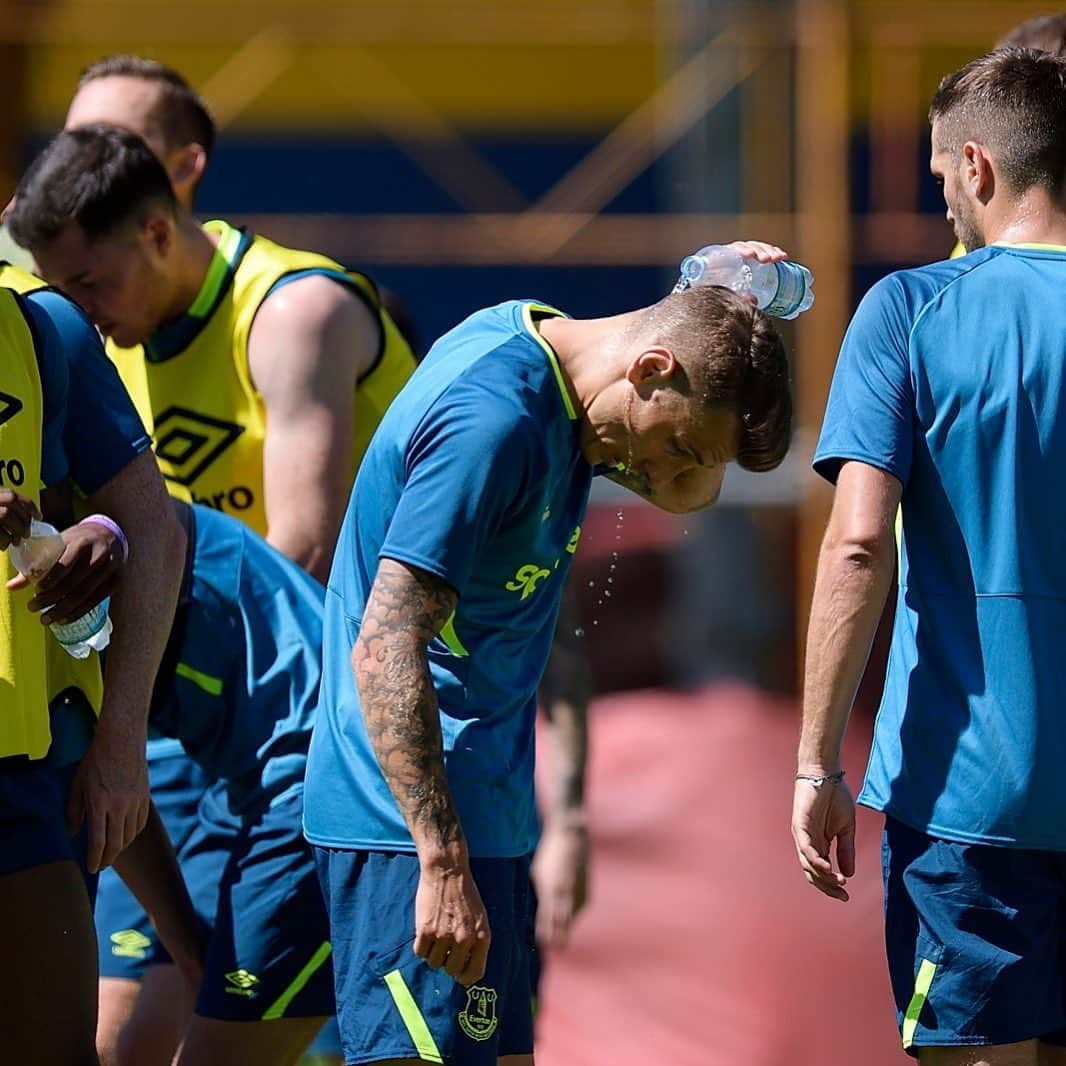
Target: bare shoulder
column 317, row 315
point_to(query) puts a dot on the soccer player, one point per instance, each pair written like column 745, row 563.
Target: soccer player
column 439, row 615
column 270, row 335
column 60, row 769
column 948, row 397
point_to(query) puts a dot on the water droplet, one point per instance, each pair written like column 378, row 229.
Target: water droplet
column 621, row 515
column 595, row 621
column 610, row 581
column 684, row 532
column 607, row 592
column 579, row 632
column 592, row 584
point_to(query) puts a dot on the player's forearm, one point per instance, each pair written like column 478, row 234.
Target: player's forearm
column 849, row 595
column 142, row 606
column 151, row 872
column 405, row 610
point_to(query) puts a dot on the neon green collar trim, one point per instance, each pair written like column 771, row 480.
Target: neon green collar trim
column 553, row 359
column 221, row 262
column 1031, row 246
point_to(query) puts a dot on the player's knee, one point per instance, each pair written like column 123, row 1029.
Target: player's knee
column 138, row 1043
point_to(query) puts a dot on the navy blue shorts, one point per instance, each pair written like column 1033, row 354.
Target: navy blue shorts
column 391, row 1005
column 34, row 795
column 269, row 953
column 127, row 941
column 976, row 939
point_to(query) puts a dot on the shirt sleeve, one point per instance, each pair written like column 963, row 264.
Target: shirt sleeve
column 468, row 465
column 55, row 393
column 870, row 414
column 103, row 433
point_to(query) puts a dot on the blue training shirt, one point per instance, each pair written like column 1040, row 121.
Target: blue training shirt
column 476, row 475
column 952, row 378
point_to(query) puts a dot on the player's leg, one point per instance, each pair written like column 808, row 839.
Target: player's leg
column 974, row 937
column 47, row 940
column 268, row 978
column 1052, row 1055
column 47, row 957
column 391, row 1006
column 1023, row 1054
column 146, row 1022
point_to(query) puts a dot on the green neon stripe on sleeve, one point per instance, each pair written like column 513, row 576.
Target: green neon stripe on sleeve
column 451, row 638
column 914, row 1008
column 419, row 1032
column 280, row 1005
column 211, row 685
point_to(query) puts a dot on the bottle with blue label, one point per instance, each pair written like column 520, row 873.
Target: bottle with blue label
column 784, row 289
column 33, row 557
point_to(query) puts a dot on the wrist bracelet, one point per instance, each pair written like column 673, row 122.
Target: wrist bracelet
column 820, row 779
column 111, row 524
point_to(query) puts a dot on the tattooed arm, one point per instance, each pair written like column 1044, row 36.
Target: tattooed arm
column 407, row 608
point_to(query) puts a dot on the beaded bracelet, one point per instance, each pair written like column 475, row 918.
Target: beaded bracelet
column 111, row 524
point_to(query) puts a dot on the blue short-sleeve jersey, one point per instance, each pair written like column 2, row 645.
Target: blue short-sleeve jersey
column 952, row 378
column 102, row 432
column 475, row 475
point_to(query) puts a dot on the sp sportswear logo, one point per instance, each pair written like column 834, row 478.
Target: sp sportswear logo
column 9, row 407
column 189, row 442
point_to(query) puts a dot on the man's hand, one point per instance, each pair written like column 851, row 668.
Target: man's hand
column 451, row 926
column 560, row 875
column 84, row 576
column 760, row 250
column 16, row 513
column 110, row 789
column 821, row 815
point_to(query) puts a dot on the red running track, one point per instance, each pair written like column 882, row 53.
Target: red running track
column 702, row 944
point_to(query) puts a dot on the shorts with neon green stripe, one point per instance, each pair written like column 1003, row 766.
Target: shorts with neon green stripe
column 976, row 939
column 268, row 954
column 391, row 1005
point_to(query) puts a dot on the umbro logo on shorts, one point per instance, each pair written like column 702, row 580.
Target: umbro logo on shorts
column 242, row 983
column 9, row 407
column 188, row 442
column 130, row 944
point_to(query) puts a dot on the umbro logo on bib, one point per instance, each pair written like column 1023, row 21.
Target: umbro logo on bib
column 9, row 407
column 189, row 442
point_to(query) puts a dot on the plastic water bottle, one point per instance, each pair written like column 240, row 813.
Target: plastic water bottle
column 783, row 289
column 33, row 557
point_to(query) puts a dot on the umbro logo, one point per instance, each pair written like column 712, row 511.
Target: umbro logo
column 188, row 442
column 9, row 407
column 242, row 983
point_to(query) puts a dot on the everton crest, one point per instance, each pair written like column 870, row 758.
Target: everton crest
column 478, row 1018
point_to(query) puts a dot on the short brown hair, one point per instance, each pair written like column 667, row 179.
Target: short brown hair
column 733, row 359
column 184, row 115
column 1014, row 101
column 1045, row 33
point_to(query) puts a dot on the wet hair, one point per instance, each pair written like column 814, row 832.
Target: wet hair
column 97, row 176
column 733, row 359
column 1045, row 33
column 182, row 113
column 1014, row 101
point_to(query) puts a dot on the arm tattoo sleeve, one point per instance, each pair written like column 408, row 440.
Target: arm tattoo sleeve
column 406, row 609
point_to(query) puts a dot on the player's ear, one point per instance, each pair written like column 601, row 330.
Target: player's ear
column 187, row 169
column 158, row 228
column 978, row 173
column 652, row 366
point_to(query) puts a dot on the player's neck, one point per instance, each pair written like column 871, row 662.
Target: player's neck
column 197, row 251
column 584, row 347
column 1034, row 218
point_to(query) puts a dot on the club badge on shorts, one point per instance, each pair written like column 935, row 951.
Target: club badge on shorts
column 478, row 1018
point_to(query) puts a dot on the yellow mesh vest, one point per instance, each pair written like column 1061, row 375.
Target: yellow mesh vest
column 207, row 420
column 24, row 728
column 64, row 671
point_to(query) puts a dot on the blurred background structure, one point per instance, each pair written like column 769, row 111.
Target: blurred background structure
column 468, row 151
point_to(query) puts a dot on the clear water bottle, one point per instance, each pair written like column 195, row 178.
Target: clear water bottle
column 784, row 290
column 33, row 557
